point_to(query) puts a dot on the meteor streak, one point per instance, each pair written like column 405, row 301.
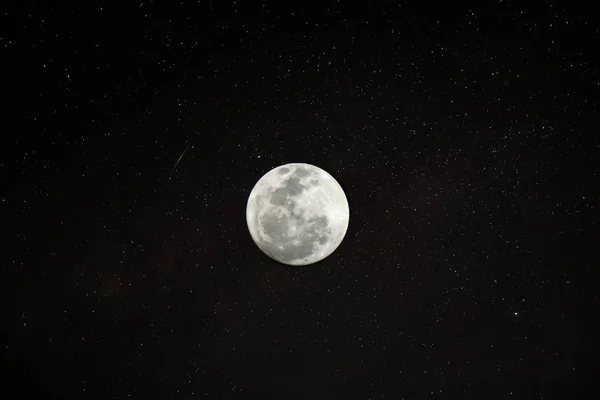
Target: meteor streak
column 180, row 157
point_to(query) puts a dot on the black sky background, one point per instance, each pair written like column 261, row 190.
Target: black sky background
column 465, row 138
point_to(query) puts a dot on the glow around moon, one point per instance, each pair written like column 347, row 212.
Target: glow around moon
column 297, row 214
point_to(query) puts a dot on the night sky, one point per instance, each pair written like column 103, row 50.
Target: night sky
column 466, row 139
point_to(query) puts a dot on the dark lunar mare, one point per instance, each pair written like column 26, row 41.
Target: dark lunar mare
column 277, row 227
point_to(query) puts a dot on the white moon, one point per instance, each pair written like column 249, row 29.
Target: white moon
column 297, row 214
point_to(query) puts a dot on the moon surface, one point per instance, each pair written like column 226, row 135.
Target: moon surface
column 297, row 214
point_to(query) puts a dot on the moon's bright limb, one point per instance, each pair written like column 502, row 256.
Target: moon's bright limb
column 297, row 214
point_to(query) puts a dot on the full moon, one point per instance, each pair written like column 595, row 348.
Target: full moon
column 297, row 214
